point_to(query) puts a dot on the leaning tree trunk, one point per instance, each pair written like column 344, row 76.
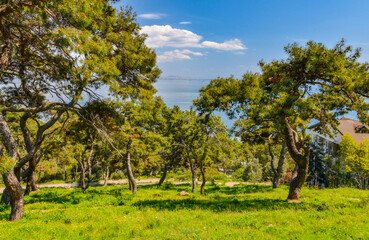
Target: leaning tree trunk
column 31, row 175
column 16, row 192
column 191, row 166
column 131, row 178
column 10, row 180
column 167, row 167
column 300, row 155
column 203, row 179
column 276, row 172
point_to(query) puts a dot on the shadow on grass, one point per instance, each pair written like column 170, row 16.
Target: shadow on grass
column 235, row 205
column 220, row 189
column 76, row 196
column 217, row 205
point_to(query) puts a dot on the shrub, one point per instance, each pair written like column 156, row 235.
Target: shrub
column 117, row 175
column 253, row 171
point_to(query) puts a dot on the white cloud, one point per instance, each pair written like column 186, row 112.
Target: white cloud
column 166, row 36
column 152, row 15
column 160, row 36
column 177, row 54
column 185, row 23
column 233, row 44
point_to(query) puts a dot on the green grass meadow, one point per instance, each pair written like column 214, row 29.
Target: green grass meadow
column 240, row 212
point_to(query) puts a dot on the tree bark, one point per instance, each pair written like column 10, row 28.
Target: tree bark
column 82, row 179
column 191, row 166
column 106, row 177
column 16, row 192
column 300, row 155
column 75, row 170
column 10, row 180
column 276, row 172
column 65, row 173
column 167, row 166
column 203, row 179
column 82, row 163
column 31, row 177
column 131, row 178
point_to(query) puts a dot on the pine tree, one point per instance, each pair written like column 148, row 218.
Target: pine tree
column 317, row 166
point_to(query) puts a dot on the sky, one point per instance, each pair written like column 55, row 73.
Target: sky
column 199, row 40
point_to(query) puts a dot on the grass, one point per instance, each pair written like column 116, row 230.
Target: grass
column 241, row 212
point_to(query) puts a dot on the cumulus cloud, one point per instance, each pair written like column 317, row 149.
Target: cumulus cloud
column 185, row 23
column 152, row 15
column 177, row 54
column 166, row 36
column 230, row 45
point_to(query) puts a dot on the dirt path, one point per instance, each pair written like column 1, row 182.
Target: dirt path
column 140, row 182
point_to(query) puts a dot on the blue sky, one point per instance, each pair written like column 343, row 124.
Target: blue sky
column 204, row 39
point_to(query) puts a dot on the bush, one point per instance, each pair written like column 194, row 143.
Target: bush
column 117, row 175
column 237, row 175
column 253, row 171
column 213, row 175
column 183, row 175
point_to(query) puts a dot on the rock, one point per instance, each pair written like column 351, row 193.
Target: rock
column 183, row 193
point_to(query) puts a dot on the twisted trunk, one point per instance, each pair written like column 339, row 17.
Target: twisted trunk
column 300, row 155
column 10, row 180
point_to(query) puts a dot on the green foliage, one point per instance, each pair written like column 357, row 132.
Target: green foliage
column 356, row 158
column 117, row 175
column 6, row 163
column 213, row 175
column 253, row 171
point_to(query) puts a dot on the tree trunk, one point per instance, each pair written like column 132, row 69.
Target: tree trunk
column 162, row 179
column 31, row 184
column 167, row 167
column 75, row 170
column 203, row 180
column 297, row 183
column 65, row 173
column 16, row 193
column 300, row 155
column 82, row 179
column 10, row 180
column 194, row 183
column 191, row 166
column 131, row 178
column 106, row 177
column 277, row 172
column 31, row 178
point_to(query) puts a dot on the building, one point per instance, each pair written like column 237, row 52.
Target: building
column 358, row 131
